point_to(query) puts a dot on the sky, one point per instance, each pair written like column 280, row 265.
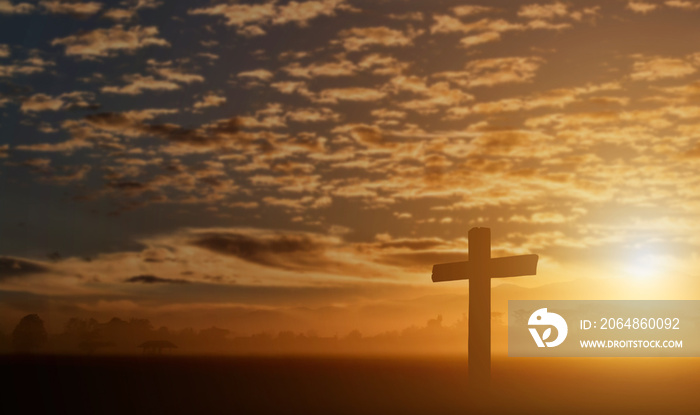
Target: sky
column 301, row 165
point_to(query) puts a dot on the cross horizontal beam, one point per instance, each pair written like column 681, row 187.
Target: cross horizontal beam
column 512, row 266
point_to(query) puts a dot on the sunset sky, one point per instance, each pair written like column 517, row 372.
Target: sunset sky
column 302, row 165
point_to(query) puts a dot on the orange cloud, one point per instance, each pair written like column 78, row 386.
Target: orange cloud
column 100, row 43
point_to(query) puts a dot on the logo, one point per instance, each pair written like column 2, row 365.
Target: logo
column 542, row 318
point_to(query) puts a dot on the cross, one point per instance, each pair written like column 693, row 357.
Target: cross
column 479, row 270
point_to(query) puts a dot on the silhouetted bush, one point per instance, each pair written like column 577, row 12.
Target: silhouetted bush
column 29, row 335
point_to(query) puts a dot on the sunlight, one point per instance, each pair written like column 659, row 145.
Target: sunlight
column 644, row 265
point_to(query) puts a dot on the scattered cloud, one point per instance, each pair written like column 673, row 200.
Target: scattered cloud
column 29, row 66
column 211, row 99
column 168, row 79
column 470, row 10
column 71, row 100
column 360, row 38
column 137, row 84
column 494, row 71
column 641, row 6
column 653, row 68
column 683, row 4
column 100, row 43
column 251, row 18
column 7, row 7
column 15, row 267
column 128, row 13
column 543, row 11
column 75, row 8
column 340, row 68
column 333, row 95
column 258, row 74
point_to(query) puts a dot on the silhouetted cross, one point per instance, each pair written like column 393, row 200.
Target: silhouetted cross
column 479, row 270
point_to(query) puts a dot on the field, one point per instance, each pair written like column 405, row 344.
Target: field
column 297, row 385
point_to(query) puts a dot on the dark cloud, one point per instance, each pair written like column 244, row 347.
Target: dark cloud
column 280, row 250
column 413, row 244
column 152, row 279
column 212, row 135
column 13, row 267
column 421, row 261
column 127, row 185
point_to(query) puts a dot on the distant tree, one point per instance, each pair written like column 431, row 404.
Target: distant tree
column 213, row 335
column 354, row 335
column 30, row 334
column 82, row 330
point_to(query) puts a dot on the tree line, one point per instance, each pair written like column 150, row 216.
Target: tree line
column 119, row 336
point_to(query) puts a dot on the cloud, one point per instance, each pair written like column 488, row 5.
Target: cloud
column 259, row 74
column 436, row 95
column 177, row 75
column 486, row 29
column 417, row 16
column 217, row 135
column 108, row 42
column 333, row 95
column 32, row 65
column 152, row 279
column 342, row 67
column 641, row 6
column 7, row 7
column 552, row 98
column 683, row 4
column 70, row 174
column 653, row 68
column 293, row 251
column 169, row 79
column 386, row 113
column 136, row 84
column 312, row 115
column 249, row 18
column 15, row 267
column 360, row 38
column 129, row 12
column 366, row 135
column 543, row 11
column 119, row 14
column 516, row 143
column 470, row 10
column 4, row 51
column 76, row 8
column 211, row 99
column 302, row 12
column 380, row 64
column 449, row 24
column 41, row 102
column 67, row 101
column 494, row 71
column 484, row 37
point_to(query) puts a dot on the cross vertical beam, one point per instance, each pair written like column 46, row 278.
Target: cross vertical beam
column 480, row 308
column 479, row 270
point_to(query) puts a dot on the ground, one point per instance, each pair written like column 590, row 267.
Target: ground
column 347, row 385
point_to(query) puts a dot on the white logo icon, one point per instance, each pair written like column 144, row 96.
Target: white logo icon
column 542, row 318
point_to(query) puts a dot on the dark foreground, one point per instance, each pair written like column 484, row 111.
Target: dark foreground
column 239, row 385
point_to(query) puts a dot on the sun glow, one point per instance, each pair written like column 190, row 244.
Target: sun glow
column 644, row 265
